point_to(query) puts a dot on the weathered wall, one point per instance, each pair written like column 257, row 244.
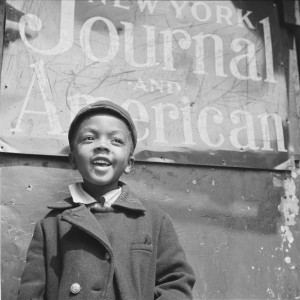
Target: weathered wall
column 240, row 228
column 236, row 226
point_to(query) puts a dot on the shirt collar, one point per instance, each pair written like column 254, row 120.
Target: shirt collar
column 79, row 195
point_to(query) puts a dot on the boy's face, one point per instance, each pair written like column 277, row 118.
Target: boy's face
column 102, row 152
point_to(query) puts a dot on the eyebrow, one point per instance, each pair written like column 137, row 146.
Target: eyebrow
column 118, row 131
column 94, row 130
column 84, row 129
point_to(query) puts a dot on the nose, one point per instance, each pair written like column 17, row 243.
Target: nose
column 102, row 145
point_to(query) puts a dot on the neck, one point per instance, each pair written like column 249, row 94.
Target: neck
column 98, row 191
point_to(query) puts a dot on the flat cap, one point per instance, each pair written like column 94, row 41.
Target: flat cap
column 103, row 106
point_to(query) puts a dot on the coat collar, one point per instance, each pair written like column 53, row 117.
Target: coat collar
column 81, row 217
column 126, row 200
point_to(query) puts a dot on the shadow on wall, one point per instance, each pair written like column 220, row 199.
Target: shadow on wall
column 233, row 199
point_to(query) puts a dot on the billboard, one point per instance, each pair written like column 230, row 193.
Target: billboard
column 203, row 80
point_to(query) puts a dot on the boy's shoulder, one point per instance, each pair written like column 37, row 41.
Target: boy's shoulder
column 59, row 208
column 150, row 207
column 62, row 205
column 55, row 211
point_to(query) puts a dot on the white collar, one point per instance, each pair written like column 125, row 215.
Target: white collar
column 79, row 195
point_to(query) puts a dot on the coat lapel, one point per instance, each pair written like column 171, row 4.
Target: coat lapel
column 128, row 200
column 83, row 219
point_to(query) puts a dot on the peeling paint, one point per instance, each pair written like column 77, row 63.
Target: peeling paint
column 277, row 182
column 270, row 292
column 287, row 234
column 289, row 208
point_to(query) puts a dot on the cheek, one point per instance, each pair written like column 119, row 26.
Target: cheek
column 80, row 160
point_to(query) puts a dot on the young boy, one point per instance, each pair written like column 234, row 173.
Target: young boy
column 104, row 242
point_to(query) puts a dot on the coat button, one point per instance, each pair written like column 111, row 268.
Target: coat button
column 107, row 256
column 147, row 240
column 75, row 288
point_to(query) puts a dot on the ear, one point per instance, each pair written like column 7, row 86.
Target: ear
column 130, row 164
column 72, row 161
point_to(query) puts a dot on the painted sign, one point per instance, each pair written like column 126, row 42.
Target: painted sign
column 203, row 80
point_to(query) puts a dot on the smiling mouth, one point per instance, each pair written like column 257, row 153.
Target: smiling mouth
column 102, row 162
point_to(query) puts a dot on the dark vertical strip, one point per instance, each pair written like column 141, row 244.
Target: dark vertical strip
column 2, row 28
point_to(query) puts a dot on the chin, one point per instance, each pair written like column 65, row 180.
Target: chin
column 103, row 182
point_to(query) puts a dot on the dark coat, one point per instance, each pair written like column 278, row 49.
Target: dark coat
column 143, row 261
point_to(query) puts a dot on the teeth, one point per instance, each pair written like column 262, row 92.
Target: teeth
column 102, row 162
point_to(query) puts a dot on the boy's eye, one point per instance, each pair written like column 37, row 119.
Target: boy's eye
column 117, row 141
column 88, row 139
